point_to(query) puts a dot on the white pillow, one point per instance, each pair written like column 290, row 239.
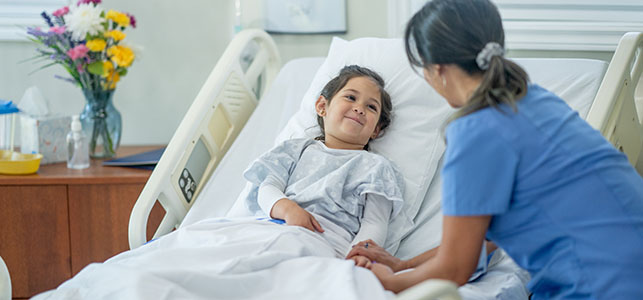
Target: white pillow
column 412, row 141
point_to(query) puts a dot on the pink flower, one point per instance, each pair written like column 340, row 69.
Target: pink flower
column 132, row 20
column 77, row 52
column 57, row 29
column 80, row 68
column 61, row 11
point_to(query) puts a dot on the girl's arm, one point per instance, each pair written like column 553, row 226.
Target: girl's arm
column 273, row 202
column 374, row 223
column 376, row 253
column 456, row 258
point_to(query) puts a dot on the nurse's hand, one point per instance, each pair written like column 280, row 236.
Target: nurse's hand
column 374, row 252
column 384, row 274
column 361, row 261
column 293, row 214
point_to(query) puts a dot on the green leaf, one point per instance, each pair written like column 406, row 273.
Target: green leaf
column 122, row 72
column 45, row 66
column 96, row 68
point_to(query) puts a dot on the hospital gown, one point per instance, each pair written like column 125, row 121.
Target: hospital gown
column 332, row 184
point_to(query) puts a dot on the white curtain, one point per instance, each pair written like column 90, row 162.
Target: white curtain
column 591, row 25
column 16, row 15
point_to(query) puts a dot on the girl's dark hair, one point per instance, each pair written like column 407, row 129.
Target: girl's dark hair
column 454, row 32
column 336, row 84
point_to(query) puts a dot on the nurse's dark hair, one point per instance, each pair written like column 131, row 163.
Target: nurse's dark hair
column 454, row 32
column 336, row 84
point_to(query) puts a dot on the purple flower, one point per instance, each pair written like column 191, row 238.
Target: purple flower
column 47, row 19
column 38, row 33
column 65, row 78
column 132, row 20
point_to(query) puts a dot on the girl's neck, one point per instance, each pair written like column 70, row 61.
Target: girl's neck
column 334, row 143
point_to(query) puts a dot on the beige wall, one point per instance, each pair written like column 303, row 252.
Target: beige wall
column 364, row 18
column 181, row 42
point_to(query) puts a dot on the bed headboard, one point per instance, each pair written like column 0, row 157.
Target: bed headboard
column 614, row 112
column 221, row 109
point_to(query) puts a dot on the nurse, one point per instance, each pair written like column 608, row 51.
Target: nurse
column 521, row 169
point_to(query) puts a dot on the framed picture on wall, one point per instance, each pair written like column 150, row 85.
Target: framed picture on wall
column 305, row 16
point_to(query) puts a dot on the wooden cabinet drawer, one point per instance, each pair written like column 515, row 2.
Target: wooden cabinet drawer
column 34, row 237
column 98, row 220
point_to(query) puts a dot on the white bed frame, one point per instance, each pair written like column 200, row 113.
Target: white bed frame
column 213, row 121
column 230, row 94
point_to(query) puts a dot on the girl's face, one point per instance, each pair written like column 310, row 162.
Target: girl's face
column 351, row 118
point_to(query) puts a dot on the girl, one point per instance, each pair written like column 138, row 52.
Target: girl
column 331, row 186
column 521, row 169
column 332, row 183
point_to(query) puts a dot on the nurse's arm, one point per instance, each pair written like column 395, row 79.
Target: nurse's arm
column 456, row 258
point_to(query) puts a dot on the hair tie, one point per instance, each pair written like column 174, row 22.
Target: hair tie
column 490, row 50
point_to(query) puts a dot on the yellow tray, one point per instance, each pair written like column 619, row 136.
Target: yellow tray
column 15, row 163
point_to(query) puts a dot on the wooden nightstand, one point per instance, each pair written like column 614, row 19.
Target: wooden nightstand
column 55, row 222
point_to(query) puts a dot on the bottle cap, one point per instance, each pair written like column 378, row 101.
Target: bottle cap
column 75, row 123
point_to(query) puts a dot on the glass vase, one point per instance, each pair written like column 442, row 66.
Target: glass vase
column 101, row 123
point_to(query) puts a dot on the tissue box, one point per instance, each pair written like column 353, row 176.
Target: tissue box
column 46, row 135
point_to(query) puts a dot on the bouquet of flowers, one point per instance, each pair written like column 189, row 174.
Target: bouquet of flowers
column 87, row 41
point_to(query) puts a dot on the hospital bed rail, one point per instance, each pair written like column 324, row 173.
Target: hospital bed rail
column 613, row 112
column 215, row 118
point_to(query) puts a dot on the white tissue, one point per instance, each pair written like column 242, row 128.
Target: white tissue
column 33, row 103
column 40, row 131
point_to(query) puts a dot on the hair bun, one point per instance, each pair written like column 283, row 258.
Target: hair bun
column 490, row 50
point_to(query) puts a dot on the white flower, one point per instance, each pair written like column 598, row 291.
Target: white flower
column 84, row 19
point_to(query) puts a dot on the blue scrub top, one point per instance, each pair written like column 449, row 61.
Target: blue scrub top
column 566, row 205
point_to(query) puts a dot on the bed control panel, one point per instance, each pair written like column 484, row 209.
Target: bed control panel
column 194, row 170
column 187, row 185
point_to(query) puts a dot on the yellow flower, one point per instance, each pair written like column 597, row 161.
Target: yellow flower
column 121, row 55
column 111, row 81
column 96, row 45
column 117, row 35
column 111, row 76
column 108, row 68
column 118, row 17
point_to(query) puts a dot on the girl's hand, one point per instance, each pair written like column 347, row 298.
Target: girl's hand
column 384, row 274
column 361, row 261
column 293, row 214
column 371, row 250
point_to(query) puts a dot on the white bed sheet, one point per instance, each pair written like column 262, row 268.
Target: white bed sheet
column 239, row 258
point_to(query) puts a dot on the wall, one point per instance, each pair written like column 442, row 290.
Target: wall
column 364, row 18
column 181, row 42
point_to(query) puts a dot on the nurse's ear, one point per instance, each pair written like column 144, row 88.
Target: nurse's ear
column 320, row 106
column 434, row 74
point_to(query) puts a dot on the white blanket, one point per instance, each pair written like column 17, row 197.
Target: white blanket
column 226, row 259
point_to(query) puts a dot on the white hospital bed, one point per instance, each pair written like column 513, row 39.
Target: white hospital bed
column 226, row 118
column 230, row 94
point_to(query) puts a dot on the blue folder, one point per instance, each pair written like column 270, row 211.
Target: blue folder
column 146, row 160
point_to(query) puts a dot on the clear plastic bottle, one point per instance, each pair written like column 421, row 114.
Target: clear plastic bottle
column 77, row 147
